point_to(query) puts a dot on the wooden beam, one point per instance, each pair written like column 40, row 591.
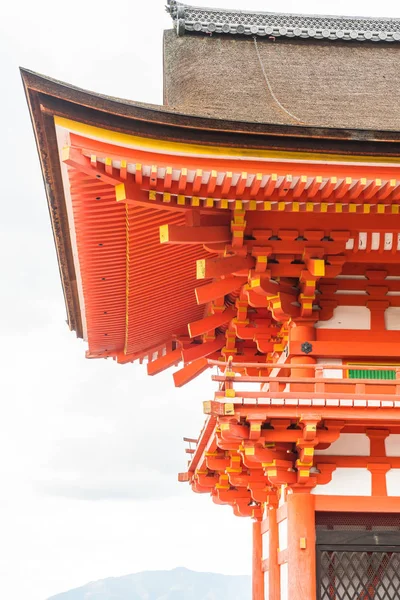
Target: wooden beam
column 328, row 188
column 226, row 186
column 357, row 188
column 241, row 184
column 358, row 462
column 164, row 362
column 387, row 189
column 190, row 372
column 375, row 504
column 218, row 289
column 153, row 176
column 343, row 187
column 372, row 189
column 300, row 186
column 212, row 183
column 181, row 234
column 210, row 323
column 138, row 174
column 285, row 186
column 255, row 186
column 270, row 411
column 333, row 349
column 270, row 185
column 75, row 159
column 198, row 180
column 314, row 187
column 168, row 178
column 208, row 268
column 195, row 351
column 182, row 180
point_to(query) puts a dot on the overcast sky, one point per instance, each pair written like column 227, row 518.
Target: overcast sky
column 90, row 449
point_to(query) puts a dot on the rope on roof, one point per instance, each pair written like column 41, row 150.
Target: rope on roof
column 270, row 87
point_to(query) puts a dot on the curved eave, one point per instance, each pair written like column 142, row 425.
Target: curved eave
column 61, row 99
column 48, row 98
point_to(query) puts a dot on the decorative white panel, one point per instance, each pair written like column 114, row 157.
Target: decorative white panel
column 347, row 317
column 285, row 583
column 346, row 482
column 392, row 318
column 393, row 482
column 283, row 534
column 348, row 444
column 265, row 545
column 392, row 444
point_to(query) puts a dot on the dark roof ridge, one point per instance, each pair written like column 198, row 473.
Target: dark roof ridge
column 246, row 22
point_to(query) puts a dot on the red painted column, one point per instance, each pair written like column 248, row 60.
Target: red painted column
column 301, row 546
column 302, row 333
column 258, row 575
column 274, row 571
column 378, row 478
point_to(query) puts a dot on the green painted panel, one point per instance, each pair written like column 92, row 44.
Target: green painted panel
column 366, row 374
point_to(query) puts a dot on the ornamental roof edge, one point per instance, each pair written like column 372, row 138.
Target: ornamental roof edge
column 252, row 23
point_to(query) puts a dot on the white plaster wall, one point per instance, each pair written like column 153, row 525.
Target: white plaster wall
column 392, row 318
column 331, row 373
column 347, row 317
column 283, row 534
column 266, row 586
column 346, row 482
column 265, row 545
column 393, row 483
column 285, row 583
column 392, row 445
column 348, row 444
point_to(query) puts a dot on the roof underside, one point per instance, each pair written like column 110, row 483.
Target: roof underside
column 129, row 280
column 238, row 22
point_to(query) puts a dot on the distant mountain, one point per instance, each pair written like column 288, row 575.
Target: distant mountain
column 178, row 584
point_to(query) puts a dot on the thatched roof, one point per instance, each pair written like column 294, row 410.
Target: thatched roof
column 316, row 83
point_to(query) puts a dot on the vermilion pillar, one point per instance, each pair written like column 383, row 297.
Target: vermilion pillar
column 303, row 334
column 258, row 575
column 274, row 574
column 301, row 546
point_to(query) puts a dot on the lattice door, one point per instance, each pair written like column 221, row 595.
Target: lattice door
column 358, row 557
column 359, row 575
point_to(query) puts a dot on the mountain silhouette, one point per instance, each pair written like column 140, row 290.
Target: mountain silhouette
column 178, row 584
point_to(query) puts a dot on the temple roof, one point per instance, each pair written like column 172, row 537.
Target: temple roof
column 125, row 181
column 241, row 22
column 65, row 115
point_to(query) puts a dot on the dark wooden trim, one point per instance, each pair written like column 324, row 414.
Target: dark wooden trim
column 165, row 122
column 356, row 539
column 46, row 143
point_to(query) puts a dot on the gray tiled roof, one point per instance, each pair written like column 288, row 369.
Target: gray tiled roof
column 238, row 22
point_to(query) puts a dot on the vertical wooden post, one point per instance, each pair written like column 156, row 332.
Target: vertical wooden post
column 301, row 546
column 378, row 478
column 302, row 333
column 258, row 575
column 274, row 570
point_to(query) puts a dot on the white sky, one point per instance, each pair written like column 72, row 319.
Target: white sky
column 90, row 449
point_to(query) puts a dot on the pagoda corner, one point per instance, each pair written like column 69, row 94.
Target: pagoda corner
column 251, row 225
